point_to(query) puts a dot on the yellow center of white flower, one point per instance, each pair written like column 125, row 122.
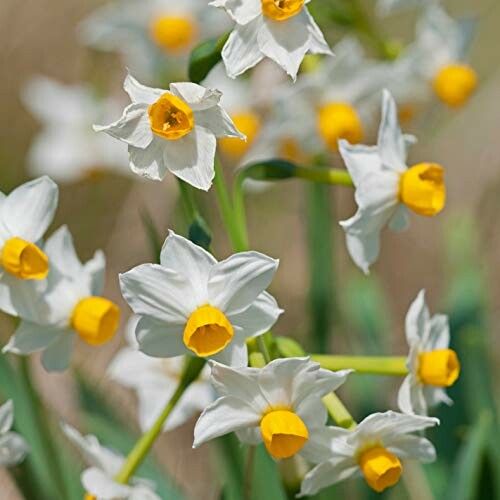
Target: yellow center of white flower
column 439, row 368
column 170, row 117
column 174, row 33
column 455, row 83
column 338, row 120
column 95, row 319
column 88, row 496
column 248, row 123
column 380, row 468
column 283, row 433
column 24, row 260
column 406, row 112
column 422, row 189
column 207, row 331
column 279, row 10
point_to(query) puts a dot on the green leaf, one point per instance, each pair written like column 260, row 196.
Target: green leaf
column 204, row 57
column 289, row 348
column 154, row 239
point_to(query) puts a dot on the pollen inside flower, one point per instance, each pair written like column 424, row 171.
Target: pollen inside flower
column 339, row 120
column 279, row 10
column 173, row 33
column 422, row 188
column 248, row 123
column 380, row 468
column 170, row 117
column 207, row 331
column 439, row 368
column 455, row 83
column 24, row 260
column 95, row 319
column 283, row 433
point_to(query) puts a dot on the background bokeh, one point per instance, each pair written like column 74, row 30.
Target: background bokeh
column 38, row 37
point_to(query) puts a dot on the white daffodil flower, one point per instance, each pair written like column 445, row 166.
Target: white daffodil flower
column 282, row 31
column 172, row 130
column 67, row 148
column 154, row 380
column 432, row 365
column 13, row 447
column 25, row 215
column 70, row 306
column 155, row 37
column 373, row 450
column 98, row 479
column 440, row 51
column 280, row 405
column 386, row 188
column 192, row 304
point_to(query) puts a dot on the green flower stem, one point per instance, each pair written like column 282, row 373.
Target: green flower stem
column 322, row 175
column 188, row 200
column 378, row 365
column 339, row 412
column 191, row 372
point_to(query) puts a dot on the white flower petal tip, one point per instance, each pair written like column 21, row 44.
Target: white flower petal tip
column 13, row 448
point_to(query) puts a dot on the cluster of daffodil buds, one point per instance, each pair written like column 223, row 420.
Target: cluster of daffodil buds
column 199, row 339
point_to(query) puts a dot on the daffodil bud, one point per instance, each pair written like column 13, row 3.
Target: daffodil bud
column 439, row 368
column 279, row 10
column 455, row 83
column 380, row 468
column 173, row 33
column 24, row 259
column 339, row 120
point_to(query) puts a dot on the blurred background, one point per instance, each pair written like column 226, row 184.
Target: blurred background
column 455, row 256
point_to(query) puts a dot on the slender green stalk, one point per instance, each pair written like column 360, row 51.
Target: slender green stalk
column 322, row 175
column 247, row 480
column 141, row 449
column 378, row 365
column 188, row 200
column 339, row 412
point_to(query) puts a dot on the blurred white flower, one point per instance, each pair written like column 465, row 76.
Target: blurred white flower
column 13, row 447
column 282, row 31
column 373, row 450
column 386, row 188
column 192, row 304
column 385, row 7
column 154, row 36
column 70, row 306
column 154, row 380
column 172, row 130
column 431, row 363
column 98, row 479
column 25, row 215
column 280, row 405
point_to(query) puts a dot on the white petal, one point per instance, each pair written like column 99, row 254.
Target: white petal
column 227, row 414
column 317, row 42
column 163, row 294
column 149, row 162
column 360, row 160
column 62, row 254
column 97, row 483
column 160, row 339
column 132, row 128
column 95, row 270
column 400, row 219
column 412, row 447
column 240, row 11
column 235, row 354
column 140, row 93
column 411, row 398
column 390, row 138
column 13, row 449
column 191, row 158
column 218, row 122
column 417, row 320
column 28, row 211
column 197, row 97
column 31, row 337
column 57, row 356
column 258, row 318
column 6, row 416
column 252, row 435
column 241, row 51
column 21, row 297
column 236, row 282
column 439, row 333
column 434, row 396
column 320, row 446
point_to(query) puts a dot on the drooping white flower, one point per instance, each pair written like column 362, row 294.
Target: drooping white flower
column 154, row 36
column 70, row 306
column 432, row 365
column 98, row 479
column 67, row 148
column 154, row 380
column 192, row 304
column 172, row 130
column 13, row 447
column 440, row 54
column 386, row 188
column 280, row 405
column 373, row 450
column 282, row 31
column 25, row 215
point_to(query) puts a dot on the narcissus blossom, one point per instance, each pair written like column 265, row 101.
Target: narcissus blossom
column 13, row 447
column 284, row 31
column 280, row 405
column 66, row 148
column 172, row 130
column 386, row 188
column 154, row 380
column 98, row 479
column 373, row 450
column 433, row 366
column 71, row 306
column 192, row 304
column 25, row 215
